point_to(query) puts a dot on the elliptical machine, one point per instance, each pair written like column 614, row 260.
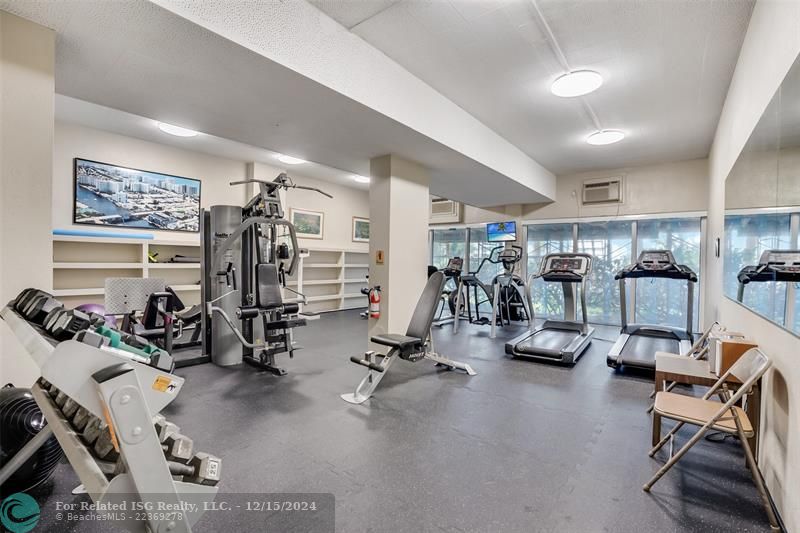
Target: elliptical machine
column 247, row 254
column 508, row 292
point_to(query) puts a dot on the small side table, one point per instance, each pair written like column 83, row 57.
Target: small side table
column 682, row 369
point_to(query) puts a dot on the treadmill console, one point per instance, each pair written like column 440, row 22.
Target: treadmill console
column 560, row 263
column 774, row 265
column 656, row 260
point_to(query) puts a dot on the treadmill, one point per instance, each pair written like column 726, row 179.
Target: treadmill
column 638, row 343
column 561, row 341
column 774, row 265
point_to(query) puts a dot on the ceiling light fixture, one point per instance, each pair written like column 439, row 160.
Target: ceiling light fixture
column 361, row 179
column 602, row 137
column 289, row 160
column 576, row 83
column 176, row 130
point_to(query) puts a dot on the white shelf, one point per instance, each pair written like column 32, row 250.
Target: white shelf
column 354, row 295
column 323, row 265
column 356, row 280
column 324, row 298
column 97, row 266
column 175, row 266
column 79, row 292
column 320, row 282
column 357, row 265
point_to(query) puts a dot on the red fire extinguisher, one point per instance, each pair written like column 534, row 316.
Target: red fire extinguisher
column 375, row 302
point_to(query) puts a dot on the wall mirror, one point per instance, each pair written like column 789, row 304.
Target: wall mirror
column 762, row 213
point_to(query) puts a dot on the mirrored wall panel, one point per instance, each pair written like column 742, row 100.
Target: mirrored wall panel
column 762, row 213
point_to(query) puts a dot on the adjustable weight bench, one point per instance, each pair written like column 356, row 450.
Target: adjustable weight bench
column 415, row 345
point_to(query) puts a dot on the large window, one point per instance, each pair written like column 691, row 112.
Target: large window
column 746, row 237
column 448, row 243
column 543, row 239
column 480, row 248
column 610, row 245
column 663, row 301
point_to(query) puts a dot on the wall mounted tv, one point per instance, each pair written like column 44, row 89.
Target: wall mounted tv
column 501, row 231
column 111, row 195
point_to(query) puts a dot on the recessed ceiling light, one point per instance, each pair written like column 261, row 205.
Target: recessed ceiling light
column 576, row 83
column 361, row 179
column 289, row 160
column 602, row 137
column 176, row 130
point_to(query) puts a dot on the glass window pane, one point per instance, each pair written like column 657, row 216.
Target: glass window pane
column 448, row 243
column 543, row 239
column 746, row 237
column 663, row 301
column 479, row 248
column 610, row 245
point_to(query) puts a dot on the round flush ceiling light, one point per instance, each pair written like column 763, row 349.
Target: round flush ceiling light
column 361, row 179
column 602, row 137
column 289, row 160
column 576, row 83
column 176, row 130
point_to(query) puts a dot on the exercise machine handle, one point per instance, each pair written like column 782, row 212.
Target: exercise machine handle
column 368, row 364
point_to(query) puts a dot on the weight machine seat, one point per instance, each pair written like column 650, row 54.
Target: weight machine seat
column 191, row 315
column 393, row 340
column 268, row 289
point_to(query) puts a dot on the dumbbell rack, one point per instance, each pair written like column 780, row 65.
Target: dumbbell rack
column 126, row 395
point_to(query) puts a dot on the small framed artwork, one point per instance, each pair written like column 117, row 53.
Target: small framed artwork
column 360, row 229
column 307, row 224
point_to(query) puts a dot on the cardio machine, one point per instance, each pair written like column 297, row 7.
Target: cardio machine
column 508, row 293
column 774, row 265
column 562, row 341
column 638, row 343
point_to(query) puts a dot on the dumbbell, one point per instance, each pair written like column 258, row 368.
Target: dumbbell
column 61, row 398
column 104, row 446
column 81, row 418
column 69, row 408
column 26, row 296
column 178, row 447
column 37, row 309
column 93, row 430
column 66, row 323
column 53, row 391
column 164, row 429
column 203, row 469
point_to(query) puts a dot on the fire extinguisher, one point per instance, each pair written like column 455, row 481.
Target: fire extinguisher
column 375, row 302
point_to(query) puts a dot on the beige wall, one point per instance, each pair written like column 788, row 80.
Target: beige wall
column 78, row 141
column 26, row 122
column 669, row 187
column 770, row 48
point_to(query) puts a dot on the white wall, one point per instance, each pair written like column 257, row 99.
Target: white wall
column 663, row 188
column 78, row 141
column 770, row 48
column 26, row 124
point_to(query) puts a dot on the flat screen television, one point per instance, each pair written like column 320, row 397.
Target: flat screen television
column 111, row 195
column 501, row 231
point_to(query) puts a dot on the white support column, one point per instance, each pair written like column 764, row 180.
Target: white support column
column 27, row 86
column 398, row 212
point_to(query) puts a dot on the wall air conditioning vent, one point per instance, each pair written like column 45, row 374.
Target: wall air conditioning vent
column 444, row 211
column 602, row 191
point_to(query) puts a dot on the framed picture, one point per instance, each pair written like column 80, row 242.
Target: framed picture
column 308, row 224
column 111, row 195
column 360, row 229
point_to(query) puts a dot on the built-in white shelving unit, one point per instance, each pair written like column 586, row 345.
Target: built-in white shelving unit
column 332, row 278
column 81, row 265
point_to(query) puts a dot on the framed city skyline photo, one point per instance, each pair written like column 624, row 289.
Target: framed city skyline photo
column 307, row 224
column 113, row 195
column 360, row 229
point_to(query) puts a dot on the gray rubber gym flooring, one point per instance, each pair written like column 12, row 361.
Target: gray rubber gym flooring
column 522, row 446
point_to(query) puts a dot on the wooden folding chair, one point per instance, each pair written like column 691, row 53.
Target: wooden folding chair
column 724, row 416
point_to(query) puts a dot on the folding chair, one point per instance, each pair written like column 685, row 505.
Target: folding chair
column 699, row 350
column 724, row 416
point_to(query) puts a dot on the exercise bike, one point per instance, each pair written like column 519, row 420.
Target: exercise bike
column 508, row 293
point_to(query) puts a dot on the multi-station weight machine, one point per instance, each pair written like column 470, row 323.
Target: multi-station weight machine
column 247, row 254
